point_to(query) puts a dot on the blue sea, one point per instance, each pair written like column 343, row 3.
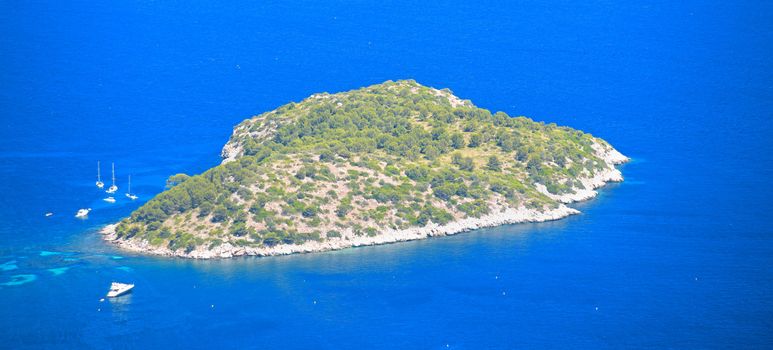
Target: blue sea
column 679, row 256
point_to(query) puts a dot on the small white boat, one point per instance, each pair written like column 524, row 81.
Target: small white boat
column 100, row 184
column 49, row 214
column 82, row 213
column 113, row 187
column 109, row 200
column 129, row 192
column 118, row 289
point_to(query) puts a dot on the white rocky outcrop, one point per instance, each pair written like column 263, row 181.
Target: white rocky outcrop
column 230, row 151
column 610, row 155
column 590, row 183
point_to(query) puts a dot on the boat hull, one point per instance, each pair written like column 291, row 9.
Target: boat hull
column 118, row 289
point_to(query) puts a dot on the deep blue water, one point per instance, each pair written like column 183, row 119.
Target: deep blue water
column 680, row 255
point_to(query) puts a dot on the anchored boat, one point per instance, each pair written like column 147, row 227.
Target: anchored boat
column 129, row 192
column 113, row 187
column 118, row 289
column 100, row 184
column 83, row 213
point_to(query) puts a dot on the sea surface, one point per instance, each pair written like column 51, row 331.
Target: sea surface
column 680, row 255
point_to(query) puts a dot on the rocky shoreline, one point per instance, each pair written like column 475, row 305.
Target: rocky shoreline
column 509, row 216
column 226, row 250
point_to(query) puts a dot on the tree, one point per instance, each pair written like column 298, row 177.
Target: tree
column 239, row 230
column 205, row 209
column 431, row 152
column 456, row 158
column 310, row 211
column 467, row 164
column 417, row 173
column 464, row 163
column 494, row 164
column 175, row 180
column 475, row 140
column 345, row 207
column 219, row 214
column 457, row 140
column 326, row 156
column 271, row 239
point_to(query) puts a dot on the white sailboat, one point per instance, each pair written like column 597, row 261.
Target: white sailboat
column 100, row 184
column 113, row 187
column 129, row 192
column 117, row 289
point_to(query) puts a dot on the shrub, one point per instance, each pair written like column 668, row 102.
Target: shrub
column 219, row 214
column 494, row 164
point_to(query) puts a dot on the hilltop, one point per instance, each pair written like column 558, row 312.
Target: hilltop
column 390, row 162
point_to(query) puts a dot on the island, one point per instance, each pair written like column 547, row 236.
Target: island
column 392, row 162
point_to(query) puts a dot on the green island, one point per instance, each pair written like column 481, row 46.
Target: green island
column 391, row 162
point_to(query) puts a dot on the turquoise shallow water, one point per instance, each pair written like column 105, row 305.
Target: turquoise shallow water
column 678, row 256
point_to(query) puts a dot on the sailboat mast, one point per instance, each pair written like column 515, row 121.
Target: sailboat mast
column 99, row 178
column 130, row 185
column 113, row 174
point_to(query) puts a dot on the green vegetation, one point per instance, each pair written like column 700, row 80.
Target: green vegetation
column 392, row 155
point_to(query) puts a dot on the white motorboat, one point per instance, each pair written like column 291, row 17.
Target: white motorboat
column 118, row 289
column 49, row 214
column 113, row 187
column 109, row 200
column 82, row 213
column 129, row 192
column 100, row 184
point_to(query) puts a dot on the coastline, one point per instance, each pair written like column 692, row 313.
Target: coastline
column 508, row 216
column 226, row 250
